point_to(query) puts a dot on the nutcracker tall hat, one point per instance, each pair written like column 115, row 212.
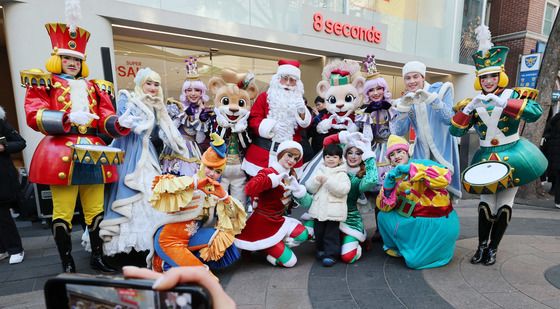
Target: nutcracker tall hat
column 489, row 59
column 66, row 42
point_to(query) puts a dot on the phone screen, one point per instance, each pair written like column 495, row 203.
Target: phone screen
column 103, row 297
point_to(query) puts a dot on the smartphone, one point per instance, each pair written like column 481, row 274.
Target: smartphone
column 92, row 291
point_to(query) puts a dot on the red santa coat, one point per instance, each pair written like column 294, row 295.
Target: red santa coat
column 52, row 162
column 267, row 225
column 256, row 156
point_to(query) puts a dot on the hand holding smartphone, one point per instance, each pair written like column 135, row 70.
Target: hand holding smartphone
column 90, row 291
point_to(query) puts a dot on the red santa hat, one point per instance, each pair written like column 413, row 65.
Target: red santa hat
column 289, row 67
column 290, row 145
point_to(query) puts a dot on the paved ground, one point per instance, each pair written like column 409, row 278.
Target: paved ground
column 527, row 274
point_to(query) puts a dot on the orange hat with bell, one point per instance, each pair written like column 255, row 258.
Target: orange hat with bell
column 66, row 42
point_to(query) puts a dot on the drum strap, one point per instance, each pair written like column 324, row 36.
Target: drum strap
column 491, row 122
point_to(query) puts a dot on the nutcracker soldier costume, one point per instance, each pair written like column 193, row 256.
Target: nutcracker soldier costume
column 496, row 114
column 70, row 111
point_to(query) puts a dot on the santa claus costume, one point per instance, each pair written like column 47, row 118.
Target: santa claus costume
column 267, row 228
column 278, row 115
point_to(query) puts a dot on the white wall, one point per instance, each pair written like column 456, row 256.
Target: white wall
column 29, row 47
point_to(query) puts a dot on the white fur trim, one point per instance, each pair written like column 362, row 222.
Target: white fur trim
column 426, row 134
column 306, row 121
column 288, row 145
column 288, row 69
column 265, row 128
column 250, row 168
column 285, row 230
column 414, row 66
column 2, row 113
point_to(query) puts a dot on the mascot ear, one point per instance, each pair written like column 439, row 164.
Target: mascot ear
column 322, row 88
column 358, row 83
column 216, row 83
column 252, row 90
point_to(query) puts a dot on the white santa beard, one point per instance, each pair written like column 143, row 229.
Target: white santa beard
column 282, row 108
column 79, row 95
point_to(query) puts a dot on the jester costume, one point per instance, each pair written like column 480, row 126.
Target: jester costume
column 51, row 101
column 496, row 116
column 187, row 237
column 417, row 220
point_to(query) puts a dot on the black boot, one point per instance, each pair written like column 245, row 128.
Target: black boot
column 96, row 261
column 61, row 233
column 498, row 229
column 484, row 227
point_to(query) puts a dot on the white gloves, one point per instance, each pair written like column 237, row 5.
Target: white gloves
column 298, row 190
column 300, row 107
column 422, row 95
column 81, row 118
column 276, row 179
column 345, row 137
column 127, row 120
column 404, row 104
column 365, row 147
column 477, row 101
column 221, row 119
column 241, row 124
column 496, row 100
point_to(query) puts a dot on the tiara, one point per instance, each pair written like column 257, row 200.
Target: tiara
column 369, row 67
column 191, row 67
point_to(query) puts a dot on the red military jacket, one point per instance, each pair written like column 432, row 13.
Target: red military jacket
column 47, row 110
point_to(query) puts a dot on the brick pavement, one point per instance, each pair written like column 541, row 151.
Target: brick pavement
column 527, row 274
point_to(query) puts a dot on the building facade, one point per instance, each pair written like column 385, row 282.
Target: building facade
column 243, row 35
column 521, row 25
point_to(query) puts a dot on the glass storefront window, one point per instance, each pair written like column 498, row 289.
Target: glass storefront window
column 418, row 27
column 426, row 28
column 169, row 63
column 472, row 18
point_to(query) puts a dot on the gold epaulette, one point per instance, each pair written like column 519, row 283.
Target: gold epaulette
column 461, row 104
column 35, row 78
column 105, row 86
column 526, row 93
column 176, row 102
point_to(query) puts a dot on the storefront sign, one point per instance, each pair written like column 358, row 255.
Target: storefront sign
column 529, row 70
column 329, row 26
column 335, row 26
column 130, row 68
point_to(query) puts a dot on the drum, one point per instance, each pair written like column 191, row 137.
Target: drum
column 97, row 154
column 488, row 177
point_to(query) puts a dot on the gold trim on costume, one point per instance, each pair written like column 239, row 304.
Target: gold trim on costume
column 35, row 77
column 461, row 104
column 39, row 120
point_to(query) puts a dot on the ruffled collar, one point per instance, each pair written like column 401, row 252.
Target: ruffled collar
column 379, row 105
